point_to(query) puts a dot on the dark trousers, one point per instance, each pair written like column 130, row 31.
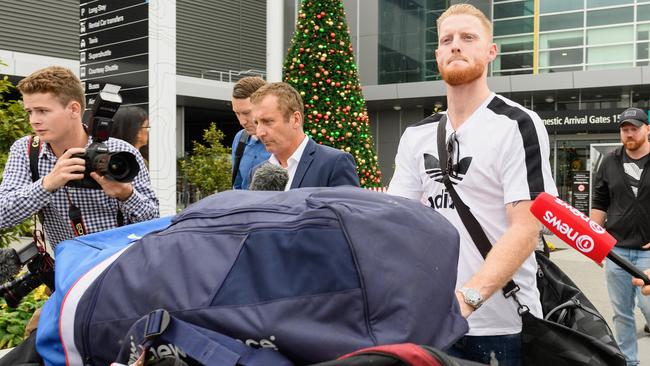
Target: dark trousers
column 24, row 354
column 502, row 350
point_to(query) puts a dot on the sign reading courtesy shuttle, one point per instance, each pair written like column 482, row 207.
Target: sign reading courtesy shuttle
column 114, row 48
column 132, row 44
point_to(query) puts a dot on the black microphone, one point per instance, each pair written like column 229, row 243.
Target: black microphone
column 269, row 177
column 11, row 260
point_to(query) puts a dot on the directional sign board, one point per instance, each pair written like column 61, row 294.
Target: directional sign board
column 114, row 48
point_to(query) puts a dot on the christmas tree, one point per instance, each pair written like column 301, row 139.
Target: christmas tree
column 320, row 65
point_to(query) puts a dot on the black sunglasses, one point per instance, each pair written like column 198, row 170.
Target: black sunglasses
column 451, row 168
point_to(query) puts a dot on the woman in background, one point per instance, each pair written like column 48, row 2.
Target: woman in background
column 131, row 124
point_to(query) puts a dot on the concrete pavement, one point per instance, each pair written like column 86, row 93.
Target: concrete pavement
column 590, row 278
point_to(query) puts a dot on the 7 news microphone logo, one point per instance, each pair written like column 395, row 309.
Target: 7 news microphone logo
column 583, row 242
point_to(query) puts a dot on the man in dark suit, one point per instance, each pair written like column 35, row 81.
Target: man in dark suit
column 278, row 114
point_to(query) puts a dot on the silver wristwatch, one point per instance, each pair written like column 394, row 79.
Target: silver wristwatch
column 472, row 297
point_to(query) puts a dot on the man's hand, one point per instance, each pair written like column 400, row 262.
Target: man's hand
column 465, row 309
column 67, row 168
column 639, row 282
column 121, row 191
column 647, row 246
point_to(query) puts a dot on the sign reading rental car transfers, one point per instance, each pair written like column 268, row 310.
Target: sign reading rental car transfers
column 114, row 48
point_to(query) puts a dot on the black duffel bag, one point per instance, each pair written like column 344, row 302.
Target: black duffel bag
column 573, row 332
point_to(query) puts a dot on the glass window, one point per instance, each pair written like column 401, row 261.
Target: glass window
column 641, row 97
column 643, row 32
column 620, row 65
column 610, row 16
column 514, row 9
column 610, row 35
column 431, row 35
column 514, row 44
column 513, row 72
column 431, row 70
column 553, row 6
column 437, row 4
column 571, row 56
column 599, row 3
column 561, row 21
column 642, row 52
column 401, row 48
column 559, row 69
column 561, row 39
column 610, row 53
column 513, row 26
column 515, row 61
column 642, row 13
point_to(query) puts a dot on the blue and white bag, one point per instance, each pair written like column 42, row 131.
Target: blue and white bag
column 313, row 273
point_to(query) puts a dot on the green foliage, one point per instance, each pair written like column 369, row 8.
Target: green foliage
column 12, row 234
column 208, row 167
column 14, row 124
column 321, row 66
column 13, row 321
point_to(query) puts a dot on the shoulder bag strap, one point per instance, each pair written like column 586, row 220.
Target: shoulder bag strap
column 472, row 225
column 238, row 154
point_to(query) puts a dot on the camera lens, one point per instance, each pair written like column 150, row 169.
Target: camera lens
column 121, row 166
column 118, row 168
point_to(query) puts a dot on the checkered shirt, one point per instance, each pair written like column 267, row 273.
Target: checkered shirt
column 21, row 198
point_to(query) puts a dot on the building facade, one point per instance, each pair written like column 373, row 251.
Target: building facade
column 577, row 63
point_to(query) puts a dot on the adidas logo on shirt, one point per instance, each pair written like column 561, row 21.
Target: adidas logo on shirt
column 432, row 168
column 442, row 200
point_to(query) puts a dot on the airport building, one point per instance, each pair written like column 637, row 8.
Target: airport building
column 577, row 63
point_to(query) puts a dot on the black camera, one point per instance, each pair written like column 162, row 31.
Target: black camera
column 40, row 266
column 120, row 166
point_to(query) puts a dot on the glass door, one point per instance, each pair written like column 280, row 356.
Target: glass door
column 571, row 160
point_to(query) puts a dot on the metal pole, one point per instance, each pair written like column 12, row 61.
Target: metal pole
column 274, row 40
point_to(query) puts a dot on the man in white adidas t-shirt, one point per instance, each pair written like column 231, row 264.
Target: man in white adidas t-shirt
column 499, row 153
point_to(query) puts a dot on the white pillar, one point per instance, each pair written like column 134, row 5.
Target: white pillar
column 162, row 102
column 274, row 40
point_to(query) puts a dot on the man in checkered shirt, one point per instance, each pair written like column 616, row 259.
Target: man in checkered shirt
column 54, row 99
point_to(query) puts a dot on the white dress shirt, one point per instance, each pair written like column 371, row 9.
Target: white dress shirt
column 292, row 162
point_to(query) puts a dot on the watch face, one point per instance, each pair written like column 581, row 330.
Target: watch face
column 472, row 297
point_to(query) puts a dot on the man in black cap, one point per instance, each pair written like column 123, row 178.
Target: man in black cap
column 621, row 203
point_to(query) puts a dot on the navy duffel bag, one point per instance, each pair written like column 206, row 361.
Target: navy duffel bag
column 313, row 273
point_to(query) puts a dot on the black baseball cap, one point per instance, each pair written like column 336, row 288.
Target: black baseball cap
column 634, row 116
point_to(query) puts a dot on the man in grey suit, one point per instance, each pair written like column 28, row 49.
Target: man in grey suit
column 278, row 113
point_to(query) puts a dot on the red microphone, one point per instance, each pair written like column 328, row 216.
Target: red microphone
column 580, row 232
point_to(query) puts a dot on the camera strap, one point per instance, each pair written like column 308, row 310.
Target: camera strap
column 34, row 146
column 76, row 220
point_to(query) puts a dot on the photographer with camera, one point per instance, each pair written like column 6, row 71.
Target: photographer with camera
column 81, row 181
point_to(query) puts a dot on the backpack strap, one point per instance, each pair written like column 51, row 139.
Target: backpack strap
column 33, row 150
column 207, row 347
column 239, row 152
